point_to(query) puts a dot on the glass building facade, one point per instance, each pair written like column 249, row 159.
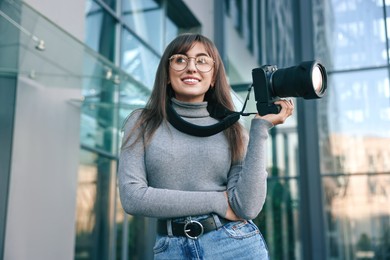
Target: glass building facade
column 352, row 37
column 328, row 165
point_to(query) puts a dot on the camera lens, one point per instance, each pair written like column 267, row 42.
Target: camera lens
column 317, row 76
column 307, row 80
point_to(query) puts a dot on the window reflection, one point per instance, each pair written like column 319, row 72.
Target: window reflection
column 279, row 219
column 137, row 60
column 95, row 206
column 99, row 114
column 358, row 34
column 146, row 18
column 356, row 138
column 111, row 4
column 171, row 30
column 100, row 30
column 358, row 215
column 355, row 130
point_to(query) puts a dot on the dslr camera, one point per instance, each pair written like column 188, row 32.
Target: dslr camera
column 307, row 80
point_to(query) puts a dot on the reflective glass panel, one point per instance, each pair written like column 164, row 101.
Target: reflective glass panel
column 279, row 35
column 279, row 219
column 99, row 117
column 99, row 30
column 137, row 60
column 111, row 4
column 121, row 233
column 358, row 216
column 282, row 154
column 171, row 30
column 145, row 18
column 355, row 134
column 358, row 34
column 95, row 206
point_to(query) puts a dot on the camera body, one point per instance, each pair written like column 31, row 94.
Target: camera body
column 307, row 80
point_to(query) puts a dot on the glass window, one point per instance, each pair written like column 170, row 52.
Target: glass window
column 356, row 128
column 276, row 32
column 145, row 17
column 358, row 34
column 137, row 60
column 171, row 30
column 110, row 3
column 237, row 16
column 95, row 207
column 279, row 219
column 249, row 26
column 99, row 114
column 100, row 30
column 282, row 150
column 358, row 216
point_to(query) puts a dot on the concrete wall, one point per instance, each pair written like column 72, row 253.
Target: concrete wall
column 42, row 192
column 204, row 12
column 46, row 144
column 69, row 14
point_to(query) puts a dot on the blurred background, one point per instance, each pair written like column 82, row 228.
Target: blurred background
column 72, row 71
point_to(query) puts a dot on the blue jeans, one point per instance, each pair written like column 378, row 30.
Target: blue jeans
column 234, row 240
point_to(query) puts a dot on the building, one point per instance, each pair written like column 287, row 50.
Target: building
column 71, row 71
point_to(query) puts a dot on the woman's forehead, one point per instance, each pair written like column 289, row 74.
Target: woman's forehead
column 197, row 47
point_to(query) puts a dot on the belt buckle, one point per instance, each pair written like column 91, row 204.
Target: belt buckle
column 193, row 229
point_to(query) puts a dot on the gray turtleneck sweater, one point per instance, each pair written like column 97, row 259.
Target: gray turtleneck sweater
column 180, row 175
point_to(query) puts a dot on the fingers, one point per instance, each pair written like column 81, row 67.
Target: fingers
column 287, row 106
column 287, row 109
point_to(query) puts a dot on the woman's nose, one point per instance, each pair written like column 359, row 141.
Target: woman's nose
column 191, row 65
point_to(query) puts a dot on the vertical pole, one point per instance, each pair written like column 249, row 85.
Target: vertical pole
column 219, row 29
column 312, row 211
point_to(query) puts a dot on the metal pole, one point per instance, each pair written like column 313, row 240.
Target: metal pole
column 311, row 206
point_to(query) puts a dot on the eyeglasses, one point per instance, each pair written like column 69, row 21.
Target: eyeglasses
column 180, row 62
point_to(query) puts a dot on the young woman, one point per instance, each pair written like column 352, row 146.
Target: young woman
column 204, row 191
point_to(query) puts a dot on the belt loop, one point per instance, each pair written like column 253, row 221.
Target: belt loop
column 169, row 227
column 217, row 220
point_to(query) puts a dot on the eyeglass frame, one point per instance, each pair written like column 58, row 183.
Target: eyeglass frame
column 188, row 62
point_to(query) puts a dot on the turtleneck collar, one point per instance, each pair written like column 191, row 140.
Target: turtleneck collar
column 188, row 109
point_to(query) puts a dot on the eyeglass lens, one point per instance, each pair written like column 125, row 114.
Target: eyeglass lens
column 179, row 62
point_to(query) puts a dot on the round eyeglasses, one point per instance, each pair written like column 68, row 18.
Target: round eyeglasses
column 180, row 62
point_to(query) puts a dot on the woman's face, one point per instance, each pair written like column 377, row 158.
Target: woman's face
column 190, row 84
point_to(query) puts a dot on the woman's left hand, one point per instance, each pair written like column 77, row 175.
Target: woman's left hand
column 287, row 108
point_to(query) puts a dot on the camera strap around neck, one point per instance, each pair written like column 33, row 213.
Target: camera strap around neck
column 226, row 117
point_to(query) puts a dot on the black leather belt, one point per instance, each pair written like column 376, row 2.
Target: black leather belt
column 189, row 228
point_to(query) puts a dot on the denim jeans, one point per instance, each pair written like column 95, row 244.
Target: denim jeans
column 234, row 240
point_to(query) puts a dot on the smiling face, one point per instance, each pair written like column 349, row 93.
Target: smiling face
column 189, row 84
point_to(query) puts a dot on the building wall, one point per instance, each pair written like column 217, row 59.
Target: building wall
column 42, row 192
column 69, row 15
column 204, row 12
column 46, row 139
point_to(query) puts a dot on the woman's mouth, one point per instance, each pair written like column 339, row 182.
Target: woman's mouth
column 190, row 80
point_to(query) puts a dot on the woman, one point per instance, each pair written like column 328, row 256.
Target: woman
column 204, row 191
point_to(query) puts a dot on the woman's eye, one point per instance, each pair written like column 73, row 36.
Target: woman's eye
column 202, row 60
column 181, row 60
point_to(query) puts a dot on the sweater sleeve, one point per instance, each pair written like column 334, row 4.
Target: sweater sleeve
column 247, row 183
column 138, row 198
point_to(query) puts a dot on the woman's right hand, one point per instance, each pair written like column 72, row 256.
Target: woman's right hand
column 230, row 215
column 287, row 108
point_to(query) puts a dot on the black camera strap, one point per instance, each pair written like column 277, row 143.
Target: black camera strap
column 226, row 117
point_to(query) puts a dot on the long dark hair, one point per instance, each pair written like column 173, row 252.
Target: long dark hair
column 154, row 112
